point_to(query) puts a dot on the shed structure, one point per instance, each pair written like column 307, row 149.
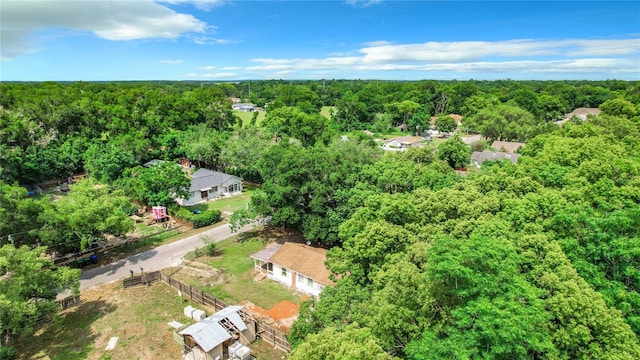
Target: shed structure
column 210, row 338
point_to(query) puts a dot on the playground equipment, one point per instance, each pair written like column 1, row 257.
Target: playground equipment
column 159, row 213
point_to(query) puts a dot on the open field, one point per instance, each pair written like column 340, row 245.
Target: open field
column 137, row 316
column 326, row 111
column 246, row 116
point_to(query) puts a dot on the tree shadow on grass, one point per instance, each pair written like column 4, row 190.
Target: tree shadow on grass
column 269, row 234
column 66, row 337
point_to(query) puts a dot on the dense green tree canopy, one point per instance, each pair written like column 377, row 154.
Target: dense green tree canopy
column 490, row 266
column 534, row 260
column 89, row 212
column 157, row 185
column 28, row 289
column 455, row 152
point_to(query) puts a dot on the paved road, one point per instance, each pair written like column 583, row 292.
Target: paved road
column 154, row 259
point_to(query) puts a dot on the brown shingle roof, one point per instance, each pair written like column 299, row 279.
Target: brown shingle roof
column 303, row 259
column 583, row 112
column 508, row 146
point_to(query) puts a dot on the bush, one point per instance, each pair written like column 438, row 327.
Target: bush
column 211, row 249
column 8, row 353
column 202, row 219
column 205, row 218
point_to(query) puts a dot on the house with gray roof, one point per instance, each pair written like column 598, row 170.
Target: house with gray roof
column 478, row 157
column 209, row 185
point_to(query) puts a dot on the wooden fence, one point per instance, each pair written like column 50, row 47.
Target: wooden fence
column 194, row 293
column 275, row 337
column 69, row 301
column 142, row 279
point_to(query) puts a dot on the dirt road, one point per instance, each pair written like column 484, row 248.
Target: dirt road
column 154, row 259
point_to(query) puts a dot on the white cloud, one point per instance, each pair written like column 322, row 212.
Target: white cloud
column 214, row 75
column 228, row 68
column 550, row 66
column 614, row 56
column 473, row 50
column 200, row 4
column 362, row 3
column 111, row 20
column 377, row 43
column 172, row 62
column 207, row 40
column 220, row 75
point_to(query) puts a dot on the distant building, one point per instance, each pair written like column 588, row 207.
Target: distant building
column 402, row 143
column 210, row 185
column 153, row 162
column 479, row 157
column 507, row 146
column 580, row 113
column 246, row 107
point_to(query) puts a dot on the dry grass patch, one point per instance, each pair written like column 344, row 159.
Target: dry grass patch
column 138, row 316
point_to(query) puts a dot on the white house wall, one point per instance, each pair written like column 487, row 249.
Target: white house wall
column 315, row 289
column 192, row 200
column 277, row 275
column 303, row 286
column 196, row 198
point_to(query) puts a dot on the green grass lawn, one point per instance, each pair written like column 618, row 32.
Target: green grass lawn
column 246, row 116
column 235, row 261
column 229, row 205
column 326, row 111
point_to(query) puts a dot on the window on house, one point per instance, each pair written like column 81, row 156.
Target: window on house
column 300, row 278
column 214, row 189
column 204, row 194
column 284, row 272
column 310, row 282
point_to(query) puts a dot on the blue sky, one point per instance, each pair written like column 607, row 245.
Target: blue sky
column 332, row 39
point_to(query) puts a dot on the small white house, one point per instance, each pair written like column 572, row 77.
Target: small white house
column 402, row 143
column 298, row 266
column 210, row 185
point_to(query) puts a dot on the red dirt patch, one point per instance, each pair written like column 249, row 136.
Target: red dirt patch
column 282, row 310
column 283, row 314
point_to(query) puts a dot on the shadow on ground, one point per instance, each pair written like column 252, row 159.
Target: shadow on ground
column 273, row 233
column 68, row 336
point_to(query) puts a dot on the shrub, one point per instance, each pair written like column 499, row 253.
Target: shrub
column 211, row 249
column 8, row 353
column 202, row 219
column 205, row 218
